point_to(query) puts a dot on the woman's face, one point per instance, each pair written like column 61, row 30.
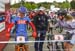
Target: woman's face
column 60, row 17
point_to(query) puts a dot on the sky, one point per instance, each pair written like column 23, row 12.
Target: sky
column 37, row 1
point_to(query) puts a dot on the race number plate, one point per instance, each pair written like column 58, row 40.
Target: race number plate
column 58, row 37
column 21, row 39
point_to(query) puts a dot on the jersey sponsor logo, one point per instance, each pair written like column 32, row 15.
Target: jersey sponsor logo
column 21, row 22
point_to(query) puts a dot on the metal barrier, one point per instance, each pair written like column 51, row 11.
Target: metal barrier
column 33, row 41
column 53, row 47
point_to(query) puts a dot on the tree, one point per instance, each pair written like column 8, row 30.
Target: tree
column 30, row 5
column 72, row 4
column 65, row 5
column 44, row 4
column 15, row 5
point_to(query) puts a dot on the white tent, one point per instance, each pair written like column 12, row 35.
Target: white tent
column 55, row 9
column 42, row 8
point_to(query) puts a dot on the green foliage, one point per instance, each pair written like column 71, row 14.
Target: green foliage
column 28, row 5
column 32, row 5
column 65, row 5
column 44, row 4
column 16, row 5
column 73, row 4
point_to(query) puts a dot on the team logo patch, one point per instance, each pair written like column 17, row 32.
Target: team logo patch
column 21, row 22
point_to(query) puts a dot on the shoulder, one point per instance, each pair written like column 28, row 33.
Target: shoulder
column 26, row 17
column 16, row 18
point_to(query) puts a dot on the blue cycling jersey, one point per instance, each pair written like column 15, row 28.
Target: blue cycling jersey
column 21, row 25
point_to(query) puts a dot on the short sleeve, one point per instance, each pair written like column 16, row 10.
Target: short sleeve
column 28, row 19
column 72, row 24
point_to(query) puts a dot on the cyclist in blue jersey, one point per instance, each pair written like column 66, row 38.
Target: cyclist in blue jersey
column 21, row 22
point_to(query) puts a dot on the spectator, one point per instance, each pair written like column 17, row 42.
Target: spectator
column 41, row 24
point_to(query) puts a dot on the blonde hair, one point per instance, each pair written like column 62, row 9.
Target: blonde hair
column 68, row 17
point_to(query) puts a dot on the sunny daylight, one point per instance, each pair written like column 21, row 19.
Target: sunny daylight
column 37, row 25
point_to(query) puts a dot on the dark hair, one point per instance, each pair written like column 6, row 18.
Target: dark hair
column 62, row 12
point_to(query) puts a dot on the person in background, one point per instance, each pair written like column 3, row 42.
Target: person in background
column 32, row 14
column 41, row 24
column 70, row 32
column 13, row 15
column 65, row 22
column 52, row 17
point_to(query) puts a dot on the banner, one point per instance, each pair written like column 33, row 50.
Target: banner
column 2, row 26
column 2, row 6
